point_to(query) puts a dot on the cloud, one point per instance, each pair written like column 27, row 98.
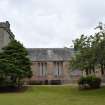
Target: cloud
column 90, row 12
column 51, row 23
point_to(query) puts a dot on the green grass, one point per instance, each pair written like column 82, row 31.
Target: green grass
column 54, row 95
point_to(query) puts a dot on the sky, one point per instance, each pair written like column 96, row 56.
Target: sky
column 51, row 23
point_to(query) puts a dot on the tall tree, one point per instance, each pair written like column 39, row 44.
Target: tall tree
column 83, row 58
column 14, row 63
column 90, row 51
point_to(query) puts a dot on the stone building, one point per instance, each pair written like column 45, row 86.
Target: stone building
column 48, row 64
column 5, row 34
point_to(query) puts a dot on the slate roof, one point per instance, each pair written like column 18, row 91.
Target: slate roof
column 50, row 54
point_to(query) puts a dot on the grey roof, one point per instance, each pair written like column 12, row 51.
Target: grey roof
column 50, row 54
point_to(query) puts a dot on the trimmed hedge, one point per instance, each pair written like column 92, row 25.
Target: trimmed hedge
column 46, row 82
column 35, row 82
column 55, row 82
column 89, row 82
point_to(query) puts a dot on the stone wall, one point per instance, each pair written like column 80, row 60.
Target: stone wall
column 64, row 77
column 5, row 34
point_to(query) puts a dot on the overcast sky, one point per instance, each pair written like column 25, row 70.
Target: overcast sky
column 51, row 23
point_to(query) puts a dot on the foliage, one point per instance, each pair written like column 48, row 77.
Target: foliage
column 89, row 82
column 56, row 82
column 90, row 51
column 14, row 64
column 46, row 82
column 36, row 82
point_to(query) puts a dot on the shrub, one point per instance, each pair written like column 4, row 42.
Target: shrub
column 89, row 82
column 55, row 82
column 35, row 82
column 45, row 82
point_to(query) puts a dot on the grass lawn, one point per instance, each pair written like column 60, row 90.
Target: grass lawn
column 54, row 95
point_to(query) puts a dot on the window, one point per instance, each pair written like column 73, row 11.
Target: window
column 42, row 69
column 58, row 69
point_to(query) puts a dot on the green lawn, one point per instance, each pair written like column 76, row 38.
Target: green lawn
column 54, row 95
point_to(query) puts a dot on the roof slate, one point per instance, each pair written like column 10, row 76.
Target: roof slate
column 50, row 54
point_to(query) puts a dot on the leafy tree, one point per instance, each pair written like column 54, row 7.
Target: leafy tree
column 83, row 58
column 99, row 47
column 14, row 63
column 90, row 51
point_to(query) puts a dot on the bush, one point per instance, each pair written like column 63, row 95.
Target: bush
column 35, row 82
column 89, row 82
column 55, row 82
column 45, row 82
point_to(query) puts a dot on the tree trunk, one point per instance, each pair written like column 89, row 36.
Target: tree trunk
column 102, row 69
column 87, row 73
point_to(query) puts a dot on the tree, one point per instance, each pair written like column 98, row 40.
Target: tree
column 99, row 47
column 90, row 51
column 14, row 63
column 84, row 57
